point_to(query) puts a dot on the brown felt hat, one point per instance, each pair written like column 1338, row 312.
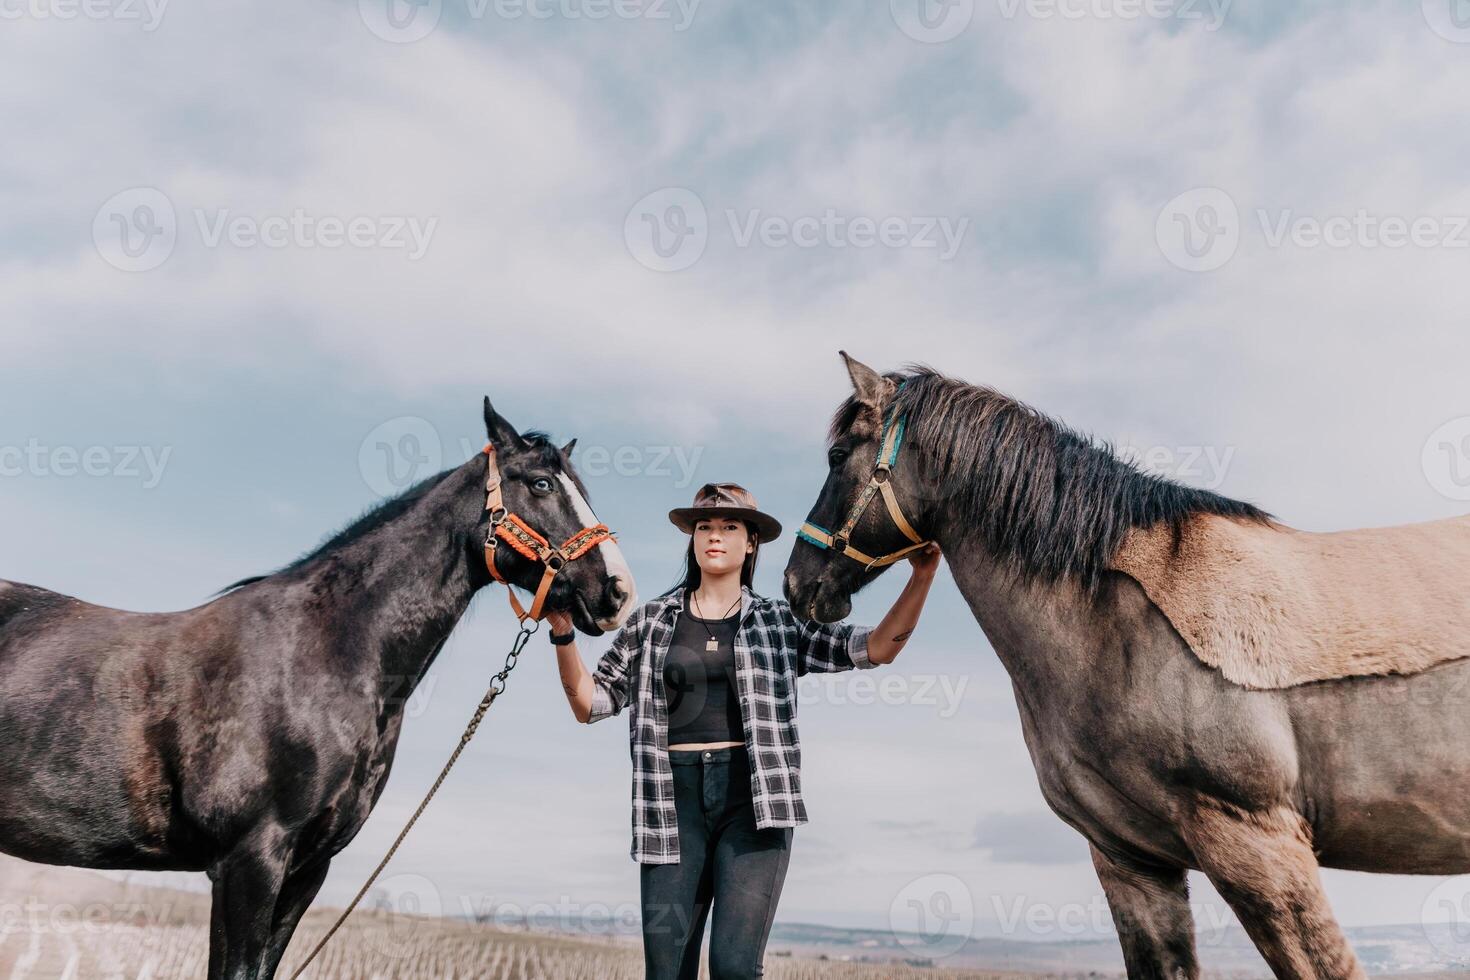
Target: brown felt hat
column 725, row 500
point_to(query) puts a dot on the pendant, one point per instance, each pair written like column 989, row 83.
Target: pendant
column 712, row 644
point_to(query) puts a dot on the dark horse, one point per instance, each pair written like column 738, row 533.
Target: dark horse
column 250, row 737
column 1157, row 759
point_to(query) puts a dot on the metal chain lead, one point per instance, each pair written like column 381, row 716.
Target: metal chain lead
column 497, row 685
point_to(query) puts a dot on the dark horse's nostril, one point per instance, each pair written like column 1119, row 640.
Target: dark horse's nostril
column 614, row 593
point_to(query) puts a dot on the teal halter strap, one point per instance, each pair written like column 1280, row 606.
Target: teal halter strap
column 878, row 483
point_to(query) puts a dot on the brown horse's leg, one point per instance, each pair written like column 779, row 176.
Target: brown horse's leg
column 1150, row 907
column 1262, row 863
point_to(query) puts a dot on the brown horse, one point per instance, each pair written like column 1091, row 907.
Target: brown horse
column 1160, row 760
column 250, row 737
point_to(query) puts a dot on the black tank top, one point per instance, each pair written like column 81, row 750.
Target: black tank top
column 699, row 684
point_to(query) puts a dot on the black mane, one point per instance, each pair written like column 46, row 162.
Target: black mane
column 1051, row 502
column 546, row 453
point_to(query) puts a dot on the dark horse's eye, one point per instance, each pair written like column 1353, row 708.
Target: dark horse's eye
column 835, row 456
column 542, row 486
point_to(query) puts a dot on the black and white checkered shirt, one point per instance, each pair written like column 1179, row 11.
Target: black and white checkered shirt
column 772, row 649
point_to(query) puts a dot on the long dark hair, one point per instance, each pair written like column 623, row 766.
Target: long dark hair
column 693, row 574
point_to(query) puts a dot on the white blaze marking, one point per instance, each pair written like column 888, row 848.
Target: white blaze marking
column 612, row 555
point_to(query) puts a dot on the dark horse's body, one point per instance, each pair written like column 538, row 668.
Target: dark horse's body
column 250, row 737
column 1158, row 760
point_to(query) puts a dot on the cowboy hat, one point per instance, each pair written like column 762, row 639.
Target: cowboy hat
column 725, row 500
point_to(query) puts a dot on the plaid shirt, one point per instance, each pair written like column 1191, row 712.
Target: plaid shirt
column 772, row 648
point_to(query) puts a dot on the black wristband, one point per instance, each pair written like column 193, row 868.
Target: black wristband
column 562, row 639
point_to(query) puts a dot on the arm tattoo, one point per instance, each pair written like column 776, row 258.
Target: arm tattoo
column 903, row 636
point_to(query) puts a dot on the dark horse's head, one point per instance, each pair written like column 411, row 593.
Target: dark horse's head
column 820, row 582
column 539, row 485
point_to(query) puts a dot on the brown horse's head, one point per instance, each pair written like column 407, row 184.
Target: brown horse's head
column 820, row 580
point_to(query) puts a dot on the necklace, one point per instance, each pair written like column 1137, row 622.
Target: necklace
column 712, row 644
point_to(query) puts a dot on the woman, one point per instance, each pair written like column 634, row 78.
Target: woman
column 710, row 669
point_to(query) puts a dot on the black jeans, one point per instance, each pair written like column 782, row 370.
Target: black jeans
column 724, row 861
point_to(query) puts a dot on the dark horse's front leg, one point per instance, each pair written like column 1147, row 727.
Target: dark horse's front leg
column 296, row 897
column 246, row 885
column 1150, row 907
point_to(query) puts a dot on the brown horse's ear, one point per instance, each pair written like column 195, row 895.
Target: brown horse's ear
column 502, row 434
column 567, row 449
column 869, row 387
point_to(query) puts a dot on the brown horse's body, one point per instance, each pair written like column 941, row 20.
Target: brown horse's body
column 1158, row 759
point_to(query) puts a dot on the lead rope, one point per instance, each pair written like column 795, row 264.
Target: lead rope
column 497, row 685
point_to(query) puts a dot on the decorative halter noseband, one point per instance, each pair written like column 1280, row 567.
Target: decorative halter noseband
column 879, row 482
column 520, row 536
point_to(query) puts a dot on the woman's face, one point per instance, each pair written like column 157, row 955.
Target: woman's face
column 721, row 544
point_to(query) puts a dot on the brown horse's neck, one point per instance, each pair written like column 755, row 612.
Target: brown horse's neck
column 399, row 591
column 1040, row 631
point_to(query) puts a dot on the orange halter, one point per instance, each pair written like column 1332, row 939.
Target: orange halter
column 520, row 536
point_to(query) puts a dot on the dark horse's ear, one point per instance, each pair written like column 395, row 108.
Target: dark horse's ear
column 869, row 387
column 502, row 434
column 567, row 449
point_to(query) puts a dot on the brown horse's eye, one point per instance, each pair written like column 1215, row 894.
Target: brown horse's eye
column 836, row 457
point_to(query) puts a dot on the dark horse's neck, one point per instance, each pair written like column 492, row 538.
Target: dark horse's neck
column 390, row 588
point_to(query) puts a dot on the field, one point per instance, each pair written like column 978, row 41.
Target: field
column 62, row 924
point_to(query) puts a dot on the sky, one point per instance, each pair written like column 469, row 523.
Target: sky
column 260, row 262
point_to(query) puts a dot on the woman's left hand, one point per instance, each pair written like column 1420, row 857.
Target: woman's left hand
column 925, row 561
